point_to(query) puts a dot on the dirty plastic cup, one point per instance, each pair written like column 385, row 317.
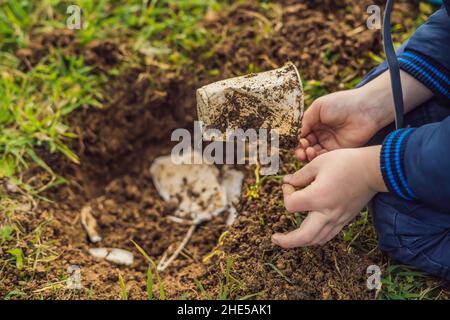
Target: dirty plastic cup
column 271, row 100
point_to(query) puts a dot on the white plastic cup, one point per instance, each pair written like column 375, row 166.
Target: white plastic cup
column 271, row 100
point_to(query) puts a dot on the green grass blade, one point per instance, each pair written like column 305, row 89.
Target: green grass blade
column 123, row 288
column 149, row 283
column 202, row 289
column 280, row 273
column 162, row 292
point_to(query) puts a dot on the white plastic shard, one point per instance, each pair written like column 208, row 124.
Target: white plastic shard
column 89, row 224
column 197, row 189
column 113, row 255
column 232, row 181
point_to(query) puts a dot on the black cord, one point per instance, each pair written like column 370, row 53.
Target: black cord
column 394, row 70
column 447, row 7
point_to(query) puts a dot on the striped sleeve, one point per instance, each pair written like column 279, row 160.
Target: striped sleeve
column 428, row 71
column 426, row 56
column 415, row 164
column 392, row 163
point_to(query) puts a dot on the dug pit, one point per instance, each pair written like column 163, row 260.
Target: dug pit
column 114, row 180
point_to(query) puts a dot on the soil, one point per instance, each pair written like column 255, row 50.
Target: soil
column 116, row 145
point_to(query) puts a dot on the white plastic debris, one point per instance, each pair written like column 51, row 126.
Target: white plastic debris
column 198, row 189
column 275, row 98
column 232, row 181
column 89, row 224
column 113, row 255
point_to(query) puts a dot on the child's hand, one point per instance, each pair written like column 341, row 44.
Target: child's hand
column 337, row 185
column 348, row 119
column 339, row 120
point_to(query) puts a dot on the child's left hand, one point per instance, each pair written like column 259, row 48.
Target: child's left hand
column 337, row 185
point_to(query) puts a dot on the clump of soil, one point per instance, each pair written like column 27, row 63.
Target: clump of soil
column 117, row 144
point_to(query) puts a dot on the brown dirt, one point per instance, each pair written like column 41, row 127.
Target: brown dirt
column 333, row 271
column 101, row 54
column 117, row 144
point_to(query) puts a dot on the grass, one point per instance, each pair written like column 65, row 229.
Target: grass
column 403, row 283
column 202, row 290
column 313, row 89
column 34, row 106
column 360, row 228
column 279, row 272
column 151, row 265
column 36, row 102
column 254, row 189
column 25, row 246
column 216, row 250
column 228, row 286
column 149, row 283
column 123, row 289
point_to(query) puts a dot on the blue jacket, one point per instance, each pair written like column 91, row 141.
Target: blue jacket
column 415, row 162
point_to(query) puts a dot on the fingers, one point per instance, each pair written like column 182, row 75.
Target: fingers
column 327, row 139
column 301, row 150
column 331, row 234
column 310, row 118
column 310, row 140
column 309, row 148
column 311, row 153
column 316, row 229
column 301, row 154
column 302, row 200
column 306, row 235
column 298, row 201
column 288, row 190
column 302, row 177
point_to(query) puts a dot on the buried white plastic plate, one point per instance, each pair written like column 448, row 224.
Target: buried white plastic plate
column 200, row 191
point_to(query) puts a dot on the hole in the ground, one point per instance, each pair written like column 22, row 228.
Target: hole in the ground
column 117, row 146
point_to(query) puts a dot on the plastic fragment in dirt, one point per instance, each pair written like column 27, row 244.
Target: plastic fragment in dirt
column 89, row 224
column 200, row 191
column 113, row 255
